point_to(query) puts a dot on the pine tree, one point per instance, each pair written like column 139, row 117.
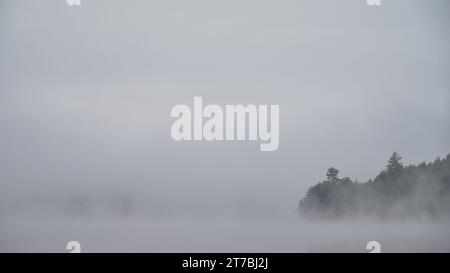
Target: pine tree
column 332, row 174
column 394, row 166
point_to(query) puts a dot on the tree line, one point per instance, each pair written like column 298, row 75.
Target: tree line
column 396, row 192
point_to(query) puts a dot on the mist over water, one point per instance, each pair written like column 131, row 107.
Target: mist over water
column 100, row 228
column 222, row 235
column 85, row 99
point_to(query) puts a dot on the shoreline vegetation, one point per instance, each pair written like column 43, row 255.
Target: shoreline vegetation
column 397, row 192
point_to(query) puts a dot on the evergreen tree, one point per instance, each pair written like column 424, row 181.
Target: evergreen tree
column 394, row 166
column 332, row 174
column 398, row 191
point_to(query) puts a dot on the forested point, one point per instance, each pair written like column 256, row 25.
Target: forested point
column 421, row 191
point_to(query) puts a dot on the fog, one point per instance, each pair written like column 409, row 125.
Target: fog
column 85, row 99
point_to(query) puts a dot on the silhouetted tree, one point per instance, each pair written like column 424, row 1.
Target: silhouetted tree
column 394, row 166
column 398, row 191
column 332, row 174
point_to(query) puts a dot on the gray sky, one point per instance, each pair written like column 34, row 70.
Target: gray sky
column 86, row 94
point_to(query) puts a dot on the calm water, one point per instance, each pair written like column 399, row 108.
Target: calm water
column 225, row 234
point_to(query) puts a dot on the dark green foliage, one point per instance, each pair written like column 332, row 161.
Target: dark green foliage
column 397, row 192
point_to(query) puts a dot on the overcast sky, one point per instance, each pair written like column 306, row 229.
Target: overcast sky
column 86, row 94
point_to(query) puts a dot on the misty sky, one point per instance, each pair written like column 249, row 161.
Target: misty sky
column 86, row 94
